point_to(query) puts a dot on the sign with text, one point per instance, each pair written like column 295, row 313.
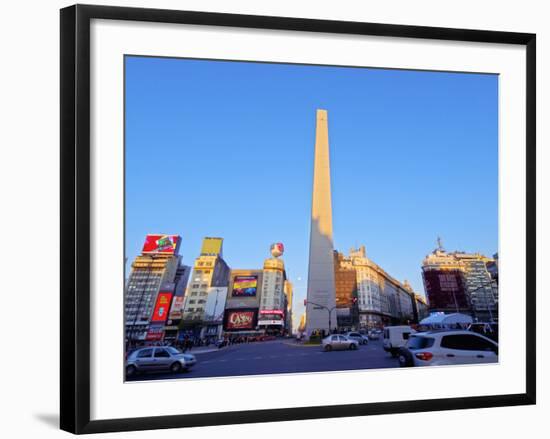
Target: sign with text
column 160, row 314
column 240, row 319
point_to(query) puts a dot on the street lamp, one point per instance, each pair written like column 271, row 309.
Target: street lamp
column 324, row 307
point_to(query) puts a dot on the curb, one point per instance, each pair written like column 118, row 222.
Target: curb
column 303, row 346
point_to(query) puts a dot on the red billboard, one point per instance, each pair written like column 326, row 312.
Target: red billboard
column 162, row 307
column 272, row 311
column 161, row 244
column 155, row 333
column 240, row 319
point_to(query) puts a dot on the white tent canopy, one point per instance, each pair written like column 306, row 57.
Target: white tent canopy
column 441, row 319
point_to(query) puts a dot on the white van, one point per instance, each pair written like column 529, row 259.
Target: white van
column 396, row 337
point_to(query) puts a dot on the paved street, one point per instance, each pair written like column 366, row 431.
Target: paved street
column 279, row 356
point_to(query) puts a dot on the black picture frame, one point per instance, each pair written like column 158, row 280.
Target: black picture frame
column 75, row 217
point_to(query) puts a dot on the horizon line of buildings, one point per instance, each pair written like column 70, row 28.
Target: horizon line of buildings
column 168, row 301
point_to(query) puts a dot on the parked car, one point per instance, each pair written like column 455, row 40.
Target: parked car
column 395, row 337
column 445, row 347
column 374, row 334
column 359, row 338
column 158, row 358
column 339, row 342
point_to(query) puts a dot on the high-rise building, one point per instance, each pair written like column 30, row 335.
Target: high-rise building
column 345, row 281
column 209, row 270
column 460, row 282
column 321, row 297
column 444, row 284
column 273, row 305
column 157, row 265
column 481, row 288
column 289, row 293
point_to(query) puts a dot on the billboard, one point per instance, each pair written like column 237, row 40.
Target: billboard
column 162, row 307
column 240, row 319
column 245, row 286
column 176, row 309
column 161, row 244
column 155, row 333
column 272, row 311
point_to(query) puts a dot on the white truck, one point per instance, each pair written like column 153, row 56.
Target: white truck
column 396, row 337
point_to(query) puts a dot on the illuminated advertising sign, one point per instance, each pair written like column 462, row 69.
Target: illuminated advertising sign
column 176, row 309
column 245, row 286
column 161, row 244
column 162, row 307
column 271, row 322
column 155, row 333
column 240, row 319
column 272, row 311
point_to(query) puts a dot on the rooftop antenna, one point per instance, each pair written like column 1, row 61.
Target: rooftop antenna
column 439, row 243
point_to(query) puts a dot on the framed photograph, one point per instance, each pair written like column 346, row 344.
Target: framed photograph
column 274, row 218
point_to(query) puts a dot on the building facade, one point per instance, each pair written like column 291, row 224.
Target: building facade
column 273, row 304
column 345, row 280
column 373, row 297
column 461, row 282
column 209, row 270
column 157, row 266
column 242, row 304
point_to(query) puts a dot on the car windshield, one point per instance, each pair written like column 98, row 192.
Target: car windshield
column 419, row 342
column 173, row 350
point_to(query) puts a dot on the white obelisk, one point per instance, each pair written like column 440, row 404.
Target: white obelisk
column 321, row 297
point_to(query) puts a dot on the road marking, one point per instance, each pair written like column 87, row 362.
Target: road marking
column 258, row 358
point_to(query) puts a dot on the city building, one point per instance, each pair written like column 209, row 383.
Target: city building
column 209, row 270
column 158, row 266
column 289, row 293
column 345, row 280
column 461, row 282
column 321, row 296
column 213, row 314
column 492, row 268
column 367, row 296
column 242, row 304
column 482, row 289
column 273, row 305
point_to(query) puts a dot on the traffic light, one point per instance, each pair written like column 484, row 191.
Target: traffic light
column 305, row 302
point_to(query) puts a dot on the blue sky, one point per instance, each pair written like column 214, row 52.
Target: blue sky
column 218, row 148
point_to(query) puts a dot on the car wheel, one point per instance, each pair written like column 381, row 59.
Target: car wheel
column 353, row 346
column 130, row 370
column 175, row 367
column 328, row 348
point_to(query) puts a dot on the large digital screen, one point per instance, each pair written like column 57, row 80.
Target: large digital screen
column 162, row 307
column 176, row 309
column 161, row 244
column 240, row 319
column 245, row 286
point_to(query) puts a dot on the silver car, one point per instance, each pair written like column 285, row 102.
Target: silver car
column 359, row 338
column 158, row 358
column 339, row 342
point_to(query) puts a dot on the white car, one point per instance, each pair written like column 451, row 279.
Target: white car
column 439, row 348
column 395, row 337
